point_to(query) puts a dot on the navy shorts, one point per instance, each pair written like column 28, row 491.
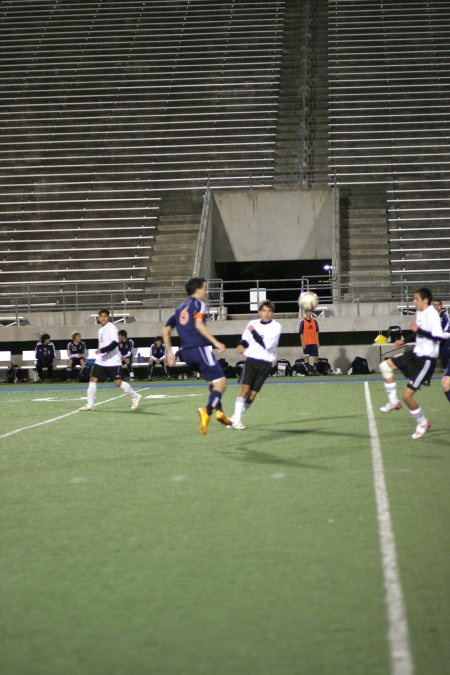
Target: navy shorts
column 311, row 350
column 76, row 361
column 447, row 370
column 203, row 360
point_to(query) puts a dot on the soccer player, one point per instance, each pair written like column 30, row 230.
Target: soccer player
column 76, row 353
column 444, row 349
column 446, row 381
column 444, row 339
column 418, row 364
column 309, row 339
column 126, row 346
column 45, row 355
column 108, row 363
column 258, row 344
column 189, row 320
column 157, row 355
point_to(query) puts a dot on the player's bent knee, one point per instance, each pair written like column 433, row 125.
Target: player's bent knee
column 386, row 370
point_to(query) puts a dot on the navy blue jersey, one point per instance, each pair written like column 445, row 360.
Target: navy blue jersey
column 157, row 352
column 445, row 320
column 184, row 321
column 75, row 349
column 45, row 353
column 126, row 347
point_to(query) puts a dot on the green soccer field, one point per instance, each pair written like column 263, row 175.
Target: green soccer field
column 133, row 545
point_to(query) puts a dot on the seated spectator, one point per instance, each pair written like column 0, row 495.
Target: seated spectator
column 126, row 346
column 157, row 356
column 45, row 355
column 77, row 354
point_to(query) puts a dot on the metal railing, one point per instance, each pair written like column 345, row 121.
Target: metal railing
column 225, row 297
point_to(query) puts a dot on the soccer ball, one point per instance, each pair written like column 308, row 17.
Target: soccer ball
column 308, row 300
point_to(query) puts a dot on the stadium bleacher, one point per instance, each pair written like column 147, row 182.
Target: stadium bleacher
column 389, row 122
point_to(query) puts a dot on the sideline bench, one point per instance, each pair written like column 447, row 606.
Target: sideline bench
column 5, row 360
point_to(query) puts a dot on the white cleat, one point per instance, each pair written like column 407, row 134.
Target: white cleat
column 390, row 406
column 238, row 425
column 135, row 402
column 87, row 407
column 421, row 430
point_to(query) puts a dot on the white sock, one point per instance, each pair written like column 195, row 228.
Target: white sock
column 418, row 415
column 391, row 391
column 239, row 408
column 91, row 391
column 128, row 390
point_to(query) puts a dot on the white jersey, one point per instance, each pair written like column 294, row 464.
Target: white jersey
column 107, row 334
column 428, row 319
column 270, row 334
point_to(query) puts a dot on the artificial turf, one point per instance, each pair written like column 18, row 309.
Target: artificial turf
column 132, row 544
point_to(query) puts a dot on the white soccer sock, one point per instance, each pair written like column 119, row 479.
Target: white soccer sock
column 91, row 391
column 128, row 390
column 391, row 391
column 239, row 408
column 418, row 415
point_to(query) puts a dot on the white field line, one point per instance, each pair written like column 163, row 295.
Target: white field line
column 55, row 419
column 398, row 635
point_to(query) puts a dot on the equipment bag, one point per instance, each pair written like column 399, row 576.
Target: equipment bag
column 394, row 333
column 323, row 367
column 282, row 368
column 358, row 366
column 301, row 368
column 14, row 374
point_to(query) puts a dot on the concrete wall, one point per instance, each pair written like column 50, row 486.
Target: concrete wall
column 273, row 225
column 342, row 317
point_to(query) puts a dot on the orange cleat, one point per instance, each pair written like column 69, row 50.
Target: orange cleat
column 204, row 420
column 223, row 419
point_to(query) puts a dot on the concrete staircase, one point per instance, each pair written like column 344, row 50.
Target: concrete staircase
column 173, row 254
column 364, row 238
column 287, row 162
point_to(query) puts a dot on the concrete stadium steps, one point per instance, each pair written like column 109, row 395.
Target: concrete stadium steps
column 175, row 242
column 419, row 233
column 364, row 246
column 287, row 157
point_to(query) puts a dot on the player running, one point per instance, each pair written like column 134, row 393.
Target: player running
column 195, row 338
column 418, row 365
column 258, row 344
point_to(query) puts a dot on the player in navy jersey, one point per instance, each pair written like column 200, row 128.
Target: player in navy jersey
column 76, row 354
column 196, row 342
column 157, row 355
column 126, row 346
column 45, row 355
column 444, row 348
